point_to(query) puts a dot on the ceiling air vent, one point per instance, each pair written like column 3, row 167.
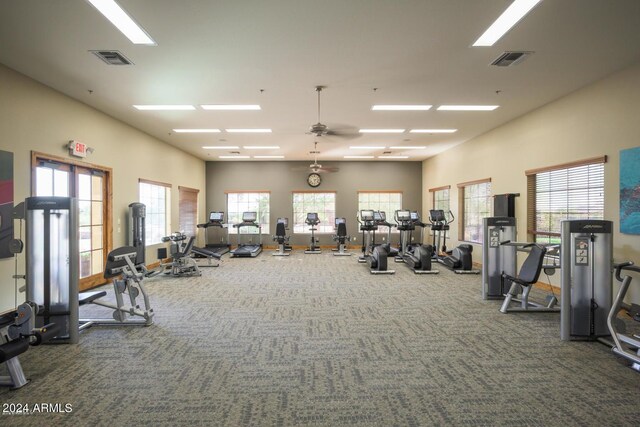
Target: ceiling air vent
column 111, row 57
column 510, row 58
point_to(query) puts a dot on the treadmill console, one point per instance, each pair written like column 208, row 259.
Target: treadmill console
column 415, row 216
column 216, row 217
column 367, row 215
column 249, row 216
column 340, row 221
column 403, row 215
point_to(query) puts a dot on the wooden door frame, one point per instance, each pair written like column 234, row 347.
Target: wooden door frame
column 96, row 279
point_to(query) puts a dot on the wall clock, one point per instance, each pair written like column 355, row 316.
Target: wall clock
column 314, row 179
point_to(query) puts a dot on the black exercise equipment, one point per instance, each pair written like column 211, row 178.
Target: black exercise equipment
column 380, row 220
column 248, row 250
column 418, row 257
column 216, row 222
column 459, row 259
column 281, row 237
column 341, row 237
column 374, row 256
column 17, row 333
column 523, row 283
column 312, row 221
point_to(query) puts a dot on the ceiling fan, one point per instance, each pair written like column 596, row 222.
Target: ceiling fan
column 316, row 167
column 322, row 130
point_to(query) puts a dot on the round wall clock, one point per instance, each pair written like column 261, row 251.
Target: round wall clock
column 314, row 179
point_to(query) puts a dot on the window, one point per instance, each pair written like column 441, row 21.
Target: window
column 388, row 202
column 248, row 202
column 475, row 204
column 324, row 204
column 569, row 191
column 441, row 198
column 90, row 185
column 156, row 196
column 188, row 210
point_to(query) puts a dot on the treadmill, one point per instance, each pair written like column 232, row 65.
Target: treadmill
column 248, row 250
column 216, row 220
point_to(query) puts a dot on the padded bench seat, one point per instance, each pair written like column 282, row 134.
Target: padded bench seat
column 88, row 297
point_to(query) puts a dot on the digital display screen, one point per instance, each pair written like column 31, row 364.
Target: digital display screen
column 366, row 215
column 436, row 215
column 284, row 221
column 403, row 215
column 377, row 216
column 216, row 216
column 415, row 216
column 249, row 216
column 340, row 221
column 312, row 216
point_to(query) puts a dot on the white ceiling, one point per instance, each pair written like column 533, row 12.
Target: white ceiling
column 225, row 52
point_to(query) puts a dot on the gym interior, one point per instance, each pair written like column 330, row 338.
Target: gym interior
column 320, row 213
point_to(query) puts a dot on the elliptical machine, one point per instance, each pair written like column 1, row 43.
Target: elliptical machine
column 418, row 257
column 312, row 221
column 380, row 219
column 459, row 260
column 375, row 256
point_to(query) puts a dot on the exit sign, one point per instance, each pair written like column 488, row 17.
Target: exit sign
column 78, row 149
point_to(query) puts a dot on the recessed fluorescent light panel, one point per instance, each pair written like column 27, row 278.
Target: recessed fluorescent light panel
column 401, row 107
column 164, row 107
column 393, row 157
column 365, row 147
column 220, row 147
column 358, row 157
column 248, row 130
column 261, row 147
column 381, row 130
column 467, row 107
column 509, row 18
column 268, row 157
column 432, row 130
column 122, row 21
column 233, row 157
column 221, row 107
column 408, row 148
column 197, row 130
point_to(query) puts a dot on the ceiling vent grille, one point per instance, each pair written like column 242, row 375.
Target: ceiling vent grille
column 112, row 57
column 508, row 59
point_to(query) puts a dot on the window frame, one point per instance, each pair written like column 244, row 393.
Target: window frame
column 390, row 214
column 265, row 229
column 462, row 189
column 185, row 195
column 532, row 193
column 167, row 202
column 434, row 198
column 328, row 224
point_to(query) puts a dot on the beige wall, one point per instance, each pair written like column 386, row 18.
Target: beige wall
column 36, row 117
column 600, row 119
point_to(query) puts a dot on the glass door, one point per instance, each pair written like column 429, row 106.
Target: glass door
column 90, row 187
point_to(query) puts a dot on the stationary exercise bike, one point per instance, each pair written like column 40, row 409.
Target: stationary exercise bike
column 312, row 221
column 459, row 259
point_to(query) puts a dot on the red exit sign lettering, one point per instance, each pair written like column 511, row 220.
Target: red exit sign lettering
column 78, row 149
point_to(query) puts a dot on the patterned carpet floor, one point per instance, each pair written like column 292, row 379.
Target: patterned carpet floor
column 315, row 340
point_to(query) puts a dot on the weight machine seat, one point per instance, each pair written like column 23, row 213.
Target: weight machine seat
column 281, row 234
column 341, row 233
column 531, row 268
column 113, row 265
column 205, row 252
column 89, row 297
column 187, row 249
